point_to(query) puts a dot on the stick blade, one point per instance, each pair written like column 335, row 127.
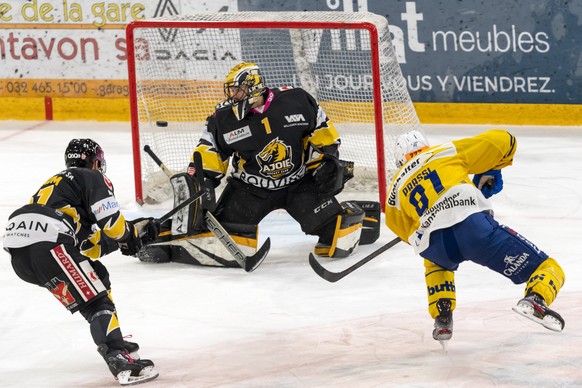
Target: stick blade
column 322, row 272
column 252, row 262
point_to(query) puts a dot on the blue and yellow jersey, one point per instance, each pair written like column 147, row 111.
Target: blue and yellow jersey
column 433, row 191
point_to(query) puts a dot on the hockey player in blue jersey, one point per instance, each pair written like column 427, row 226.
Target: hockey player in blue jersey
column 433, row 205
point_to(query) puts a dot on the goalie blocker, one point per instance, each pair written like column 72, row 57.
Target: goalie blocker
column 184, row 238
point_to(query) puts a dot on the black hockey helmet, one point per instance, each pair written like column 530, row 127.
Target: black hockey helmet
column 83, row 152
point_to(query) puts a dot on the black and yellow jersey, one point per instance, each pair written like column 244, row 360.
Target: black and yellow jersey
column 271, row 146
column 433, row 190
column 85, row 199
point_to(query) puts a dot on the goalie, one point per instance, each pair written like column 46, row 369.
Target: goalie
column 284, row 154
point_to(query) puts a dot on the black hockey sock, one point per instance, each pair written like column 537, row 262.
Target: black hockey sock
column 105, row 329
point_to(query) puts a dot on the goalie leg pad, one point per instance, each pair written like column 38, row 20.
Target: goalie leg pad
column 371, row 224
column 205, row 249
column 190, row 219
column 546, row 280
column 440, row 284
column 347, row 233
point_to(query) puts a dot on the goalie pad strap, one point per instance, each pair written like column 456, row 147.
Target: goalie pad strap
column 371, row 223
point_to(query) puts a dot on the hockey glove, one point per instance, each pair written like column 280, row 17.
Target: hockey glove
column 147, row 229
column 490, row 182
column 331, row 175
column 131, row 244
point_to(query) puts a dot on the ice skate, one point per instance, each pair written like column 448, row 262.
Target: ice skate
column 132, row 348
column 127, row 370
column 443, row 324
column 534, row 307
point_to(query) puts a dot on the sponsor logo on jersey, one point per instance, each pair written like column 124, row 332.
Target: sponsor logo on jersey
column 446, row 286
column 275, row 159
column 295, row 118
column 74, row 273
column 60, row 290
column 27, row 225
column 525, row 240
column 270, row 184
column 514, row 264
column 105, row 208
column 446, row 202
column 237, row 134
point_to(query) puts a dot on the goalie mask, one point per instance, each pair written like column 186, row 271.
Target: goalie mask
column 409, row 144
column 243, row 87
column 83, row 152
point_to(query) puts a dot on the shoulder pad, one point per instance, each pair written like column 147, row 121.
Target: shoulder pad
column 223, row 104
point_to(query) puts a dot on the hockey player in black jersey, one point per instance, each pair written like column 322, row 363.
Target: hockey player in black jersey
column 54, row 241
column 284, row 153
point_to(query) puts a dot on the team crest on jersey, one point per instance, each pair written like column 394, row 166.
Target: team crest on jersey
column 275, row 159
column 60, row 290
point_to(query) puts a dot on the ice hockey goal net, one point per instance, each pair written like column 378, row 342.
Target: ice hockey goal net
column 345, row 60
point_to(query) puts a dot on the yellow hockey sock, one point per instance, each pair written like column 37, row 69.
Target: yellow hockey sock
column 546, row 280
column 440, row 284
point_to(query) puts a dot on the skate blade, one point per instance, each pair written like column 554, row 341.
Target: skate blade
column 125, row 378
column 549, row 322
column 445, row 345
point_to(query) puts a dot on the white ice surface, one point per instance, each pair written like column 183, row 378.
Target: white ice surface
column 282, row 325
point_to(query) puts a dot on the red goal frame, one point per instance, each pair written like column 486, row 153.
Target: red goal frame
column 344, row 25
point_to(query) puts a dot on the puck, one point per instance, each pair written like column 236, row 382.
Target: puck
column 161, row 123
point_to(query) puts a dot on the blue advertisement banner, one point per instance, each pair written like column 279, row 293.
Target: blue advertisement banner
column 521, row 51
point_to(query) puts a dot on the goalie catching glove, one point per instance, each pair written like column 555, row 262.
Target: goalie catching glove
column 147, row 228
column 332, row 174
column 139, row 231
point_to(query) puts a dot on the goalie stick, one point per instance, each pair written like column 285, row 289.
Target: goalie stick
column 181, row 206
column 248, row 263
column 335, row 276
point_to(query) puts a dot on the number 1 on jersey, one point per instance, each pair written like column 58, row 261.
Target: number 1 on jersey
column 267, row 125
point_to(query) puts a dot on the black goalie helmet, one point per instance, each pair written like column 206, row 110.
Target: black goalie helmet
column 83, row 152
column 244, row 85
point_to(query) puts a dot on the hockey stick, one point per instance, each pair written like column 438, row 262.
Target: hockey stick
column 151, row 153
column 335, row 276
column 181, row 206
column 248, row 263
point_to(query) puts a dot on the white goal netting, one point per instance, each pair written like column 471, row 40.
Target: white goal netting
column 177, row 67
